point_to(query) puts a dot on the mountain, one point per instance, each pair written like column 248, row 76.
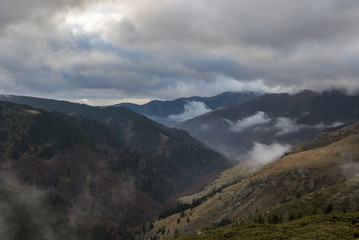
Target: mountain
column 273, row 118
column 142, row 133
column 97, row 181
column 183, row 108
column 318, row 177
column 66, row 167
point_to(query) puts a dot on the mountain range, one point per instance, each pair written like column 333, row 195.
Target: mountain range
column 104, row 168
column 72, row 171
column 272, row 119
column 180, row 109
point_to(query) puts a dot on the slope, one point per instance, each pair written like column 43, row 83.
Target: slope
column 173, row 151
column 67, row 167
column 333, row 226
column 98, row 181
column 295, row 184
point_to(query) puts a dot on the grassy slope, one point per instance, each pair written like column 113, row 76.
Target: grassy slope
column 228, row 177
column 305, row 180
column 332, row 226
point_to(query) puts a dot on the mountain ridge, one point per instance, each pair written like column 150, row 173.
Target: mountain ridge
column 82, row 161
column 282, row 118
column 161, row 110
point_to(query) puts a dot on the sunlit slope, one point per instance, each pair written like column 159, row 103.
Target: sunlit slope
column 301, row 179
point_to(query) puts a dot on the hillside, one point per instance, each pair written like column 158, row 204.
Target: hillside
column 333, row 226
column 166, row 111
column 297, row 184
column 273, row 118
column 175, row 152
column 97, row 182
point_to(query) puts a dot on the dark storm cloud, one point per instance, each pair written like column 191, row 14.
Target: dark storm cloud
column 167, row 49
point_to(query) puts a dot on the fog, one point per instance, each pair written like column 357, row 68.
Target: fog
column 191, row 110
column 256, row 119
column 262, row 154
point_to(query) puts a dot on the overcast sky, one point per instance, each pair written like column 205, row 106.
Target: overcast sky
column 103, row 52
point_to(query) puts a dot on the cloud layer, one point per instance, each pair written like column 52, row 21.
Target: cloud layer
column 262, row 154
column 257, row 119
column 191, row 109
column 114, row 49
column 280, row 125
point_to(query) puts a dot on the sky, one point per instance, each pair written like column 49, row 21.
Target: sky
column 111, row 51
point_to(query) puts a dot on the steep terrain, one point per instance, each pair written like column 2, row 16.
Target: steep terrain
column 175, row 152
column 301, row 183
column 273, row 118
column 98, row 182
column 162, row 110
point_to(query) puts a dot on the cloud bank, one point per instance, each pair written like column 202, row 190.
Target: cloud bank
column 191, row 109
column 256, row 119
column 262, row 154
column 114, row 49
column 282, row 125
column 286, row 126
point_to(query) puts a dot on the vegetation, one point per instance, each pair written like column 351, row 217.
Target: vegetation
column 326, row 139
column 181, row 207
column 330, row 226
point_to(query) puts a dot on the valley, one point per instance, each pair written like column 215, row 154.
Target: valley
column 110, row 173
column 179, row 120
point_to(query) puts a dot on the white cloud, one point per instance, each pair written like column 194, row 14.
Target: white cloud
column 256, row 119
column 286, row 126
column 263, row 154
column 322, row 125
column 191, row 110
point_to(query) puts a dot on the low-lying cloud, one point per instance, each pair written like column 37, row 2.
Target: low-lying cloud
column 286, row 126
column 322, row 125
column 191, row 109
column 262, row 154
column 282, row 125
column 256, row 119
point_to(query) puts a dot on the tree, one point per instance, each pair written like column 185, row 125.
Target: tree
column 176, row 233
column 328, row 209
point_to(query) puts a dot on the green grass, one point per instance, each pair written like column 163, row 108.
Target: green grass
column 331, row 226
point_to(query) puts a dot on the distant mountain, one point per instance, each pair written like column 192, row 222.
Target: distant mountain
column 273, row 118
column 135, row 129
column 183, row 108
column 118, row 167
column 317, row 177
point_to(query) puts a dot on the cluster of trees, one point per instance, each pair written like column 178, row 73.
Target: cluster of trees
column 181, row 207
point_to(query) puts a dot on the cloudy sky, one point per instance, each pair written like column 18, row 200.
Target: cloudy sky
column 103, row 52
